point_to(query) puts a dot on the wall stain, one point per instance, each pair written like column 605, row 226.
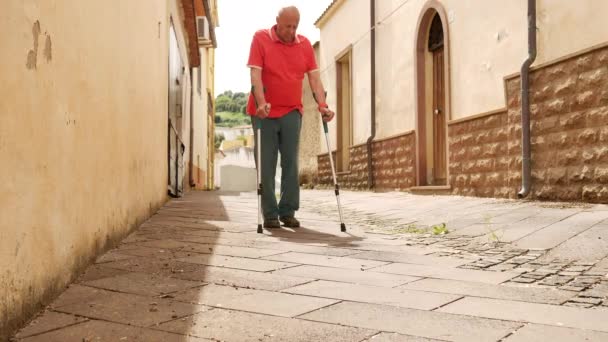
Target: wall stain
column 48, row 49
column 32, row 55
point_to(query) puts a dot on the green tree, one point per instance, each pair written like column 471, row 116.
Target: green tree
column 223, row 103
column 217, row 140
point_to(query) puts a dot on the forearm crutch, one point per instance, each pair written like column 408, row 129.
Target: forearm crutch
column 258, row 146
column 333, row 169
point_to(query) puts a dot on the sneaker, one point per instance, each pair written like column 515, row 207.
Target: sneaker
column 272, row 223
column 290, row 221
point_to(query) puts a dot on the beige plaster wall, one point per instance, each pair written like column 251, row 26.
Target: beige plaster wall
column 339, row 34
column 488, row 41
column 83, row 137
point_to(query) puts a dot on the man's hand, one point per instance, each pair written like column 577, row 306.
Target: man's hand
column 263, row 111
column 326, row 114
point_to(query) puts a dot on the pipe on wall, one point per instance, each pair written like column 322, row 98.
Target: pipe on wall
column 526, row 178
column 370, row 166
column 191, row 157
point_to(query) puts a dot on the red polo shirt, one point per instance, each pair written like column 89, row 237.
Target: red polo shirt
column 283, row 67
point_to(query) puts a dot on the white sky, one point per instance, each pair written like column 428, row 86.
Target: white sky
column 239, row 19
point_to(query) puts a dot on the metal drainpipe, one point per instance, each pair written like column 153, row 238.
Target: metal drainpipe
column 191, row 170
column 370, row 166
column 526, row 178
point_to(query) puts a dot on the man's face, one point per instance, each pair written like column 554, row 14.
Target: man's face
column 287, row 24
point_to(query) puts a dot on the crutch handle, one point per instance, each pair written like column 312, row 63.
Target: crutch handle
column 324, row 123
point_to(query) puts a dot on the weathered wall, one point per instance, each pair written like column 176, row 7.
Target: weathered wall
column 83, row 137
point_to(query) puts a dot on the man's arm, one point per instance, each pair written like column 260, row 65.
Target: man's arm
column 262, row 108
column 314, row 79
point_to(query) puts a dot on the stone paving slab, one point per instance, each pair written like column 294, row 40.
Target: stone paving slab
column 222, row 225
column 235, row 326
column 75, row 294
column 420, row 323
column 94, row 331
column 238, row 263
column 329, row 261
column 48, row 321
column 553, row 235
column 411, row 258
column 536, row 332
column 590, row 245
column 97, row 271
column 244, row 242
column 130, row 309
column 166, row 267
column 447, row 273
column 296, row 247
column 524, row 294
column 314, row 232
column 112, row 256
column 236, row 251
column 198, row 230
column 513, row 231
column 156, row 253
column 514, row 215
column 393, row 337
column 362, row 246
column 347, row 275
column 258, row 301
column 373, row 294
column 244, row 278
column 348, row 242
column 143, row 284
column 530, row 312
column 136, row 237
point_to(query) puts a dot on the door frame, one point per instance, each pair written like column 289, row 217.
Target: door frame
column 430, row 9
column 175, row 92
column 344, row 106
column 439, row 119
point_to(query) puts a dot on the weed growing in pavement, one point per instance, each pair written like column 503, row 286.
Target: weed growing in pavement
column 440, row 229
column 492, row 236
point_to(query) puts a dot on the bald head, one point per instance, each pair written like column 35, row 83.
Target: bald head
column 289, row 11
column 288, row 20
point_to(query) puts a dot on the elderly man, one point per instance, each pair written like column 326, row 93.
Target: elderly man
column 278, row 60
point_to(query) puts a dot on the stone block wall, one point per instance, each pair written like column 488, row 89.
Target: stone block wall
column 569, row 128
column 569, row 136
column 393, row 161
column 479, row 161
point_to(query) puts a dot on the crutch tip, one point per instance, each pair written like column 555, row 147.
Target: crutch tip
column 260, row 230
column 342, row 227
